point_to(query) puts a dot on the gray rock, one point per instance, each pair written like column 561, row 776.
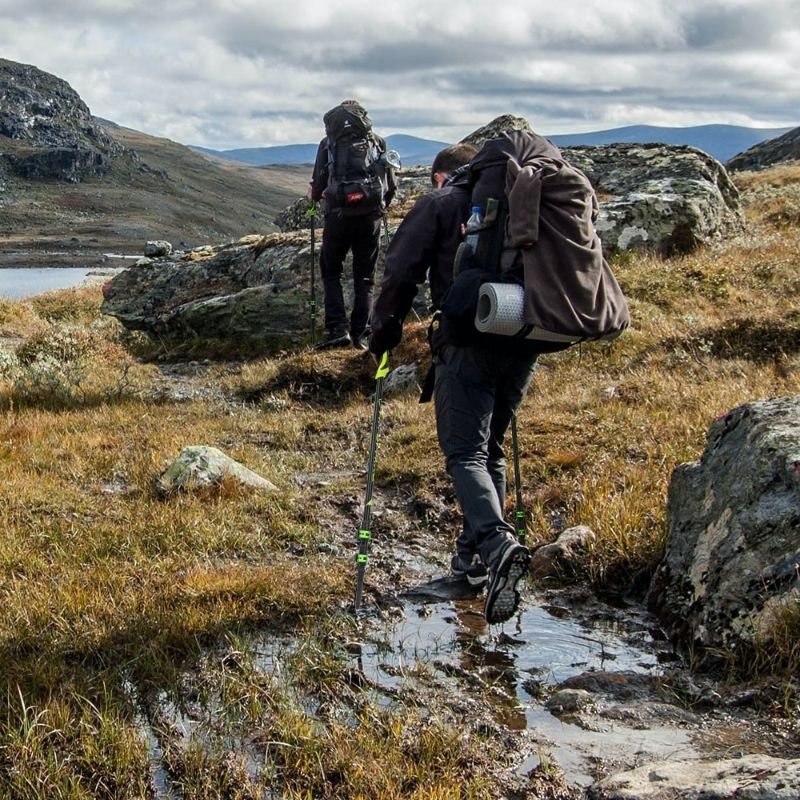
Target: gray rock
column 199, row 467
column 753, row 777
column 253, row 290
column 296, row 217
column 733, row 552
column 666, row 198
column 157, row 249
column 559, row 558
column 402, row 380
column 568, row 701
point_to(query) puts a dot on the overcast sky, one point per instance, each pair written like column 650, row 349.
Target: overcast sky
column 252, row 73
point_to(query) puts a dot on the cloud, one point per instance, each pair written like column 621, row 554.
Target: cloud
column 235, row 73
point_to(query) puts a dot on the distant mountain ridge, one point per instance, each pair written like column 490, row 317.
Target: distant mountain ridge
column 721, row 141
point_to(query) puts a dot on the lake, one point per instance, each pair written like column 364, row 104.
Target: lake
column 18, row 283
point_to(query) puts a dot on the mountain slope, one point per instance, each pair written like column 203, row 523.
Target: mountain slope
column 73, row 187
column 773, row 151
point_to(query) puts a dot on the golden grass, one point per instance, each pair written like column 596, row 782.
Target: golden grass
column 103, row 582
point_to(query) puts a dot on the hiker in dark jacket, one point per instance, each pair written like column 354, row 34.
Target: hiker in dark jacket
column 342, row 232
column 478, row 387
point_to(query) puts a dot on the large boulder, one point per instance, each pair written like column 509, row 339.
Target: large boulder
column 664, row 198
column 252, row 290
column 733, row 554
column 46, row 129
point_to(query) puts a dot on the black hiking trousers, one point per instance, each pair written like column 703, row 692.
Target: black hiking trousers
column 361, row 235
column 478, row 389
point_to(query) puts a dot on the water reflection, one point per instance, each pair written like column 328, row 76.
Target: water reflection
column 16, row 284
column 518, row 664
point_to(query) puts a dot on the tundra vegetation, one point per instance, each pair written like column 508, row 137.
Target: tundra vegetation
column 118, row 601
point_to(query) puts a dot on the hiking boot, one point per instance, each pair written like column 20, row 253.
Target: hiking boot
column 360, row 341
column 507, row 566
column 332, row 340
column 472, row 571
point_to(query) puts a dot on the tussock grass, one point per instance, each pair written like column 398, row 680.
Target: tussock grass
column 112, row 595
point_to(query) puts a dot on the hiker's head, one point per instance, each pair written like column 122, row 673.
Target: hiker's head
column 449, row 160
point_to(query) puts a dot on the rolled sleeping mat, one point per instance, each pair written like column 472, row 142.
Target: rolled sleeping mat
column 500, row 311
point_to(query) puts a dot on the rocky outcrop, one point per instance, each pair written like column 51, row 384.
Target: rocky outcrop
column 252, row 290
column 46, row 130
column 665, row 198
column 765, row 154
column 733, row 554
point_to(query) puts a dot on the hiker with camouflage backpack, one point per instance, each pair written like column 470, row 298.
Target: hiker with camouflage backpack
column 355, row 182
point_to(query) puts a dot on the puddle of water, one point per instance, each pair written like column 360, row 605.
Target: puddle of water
column 540, row 645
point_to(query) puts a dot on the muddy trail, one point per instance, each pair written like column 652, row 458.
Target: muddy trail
column 577, row 686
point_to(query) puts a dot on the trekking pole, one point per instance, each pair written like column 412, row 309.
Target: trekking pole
column 312, row 302
column 364, row 533
column 519, row 511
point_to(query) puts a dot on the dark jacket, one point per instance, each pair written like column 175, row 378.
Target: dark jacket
column 319, row 176
column 424, row 246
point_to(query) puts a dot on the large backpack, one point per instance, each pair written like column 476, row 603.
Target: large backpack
column 356, row 171
column 538, row 274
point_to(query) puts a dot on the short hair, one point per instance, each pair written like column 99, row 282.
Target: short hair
column 453, row 157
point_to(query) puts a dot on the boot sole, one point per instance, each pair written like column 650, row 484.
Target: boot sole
column 502, row 598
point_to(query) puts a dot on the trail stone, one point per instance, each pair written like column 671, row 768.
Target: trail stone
column 200, row 466
column 402, row 380
column 559, row 558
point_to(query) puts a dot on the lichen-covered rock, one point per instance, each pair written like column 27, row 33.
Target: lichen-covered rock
column 402, row 380
column 201, row 467
column 253, row 290
column 733, row 553
column 665, row 198
column 297, row 216
column 157, row 249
